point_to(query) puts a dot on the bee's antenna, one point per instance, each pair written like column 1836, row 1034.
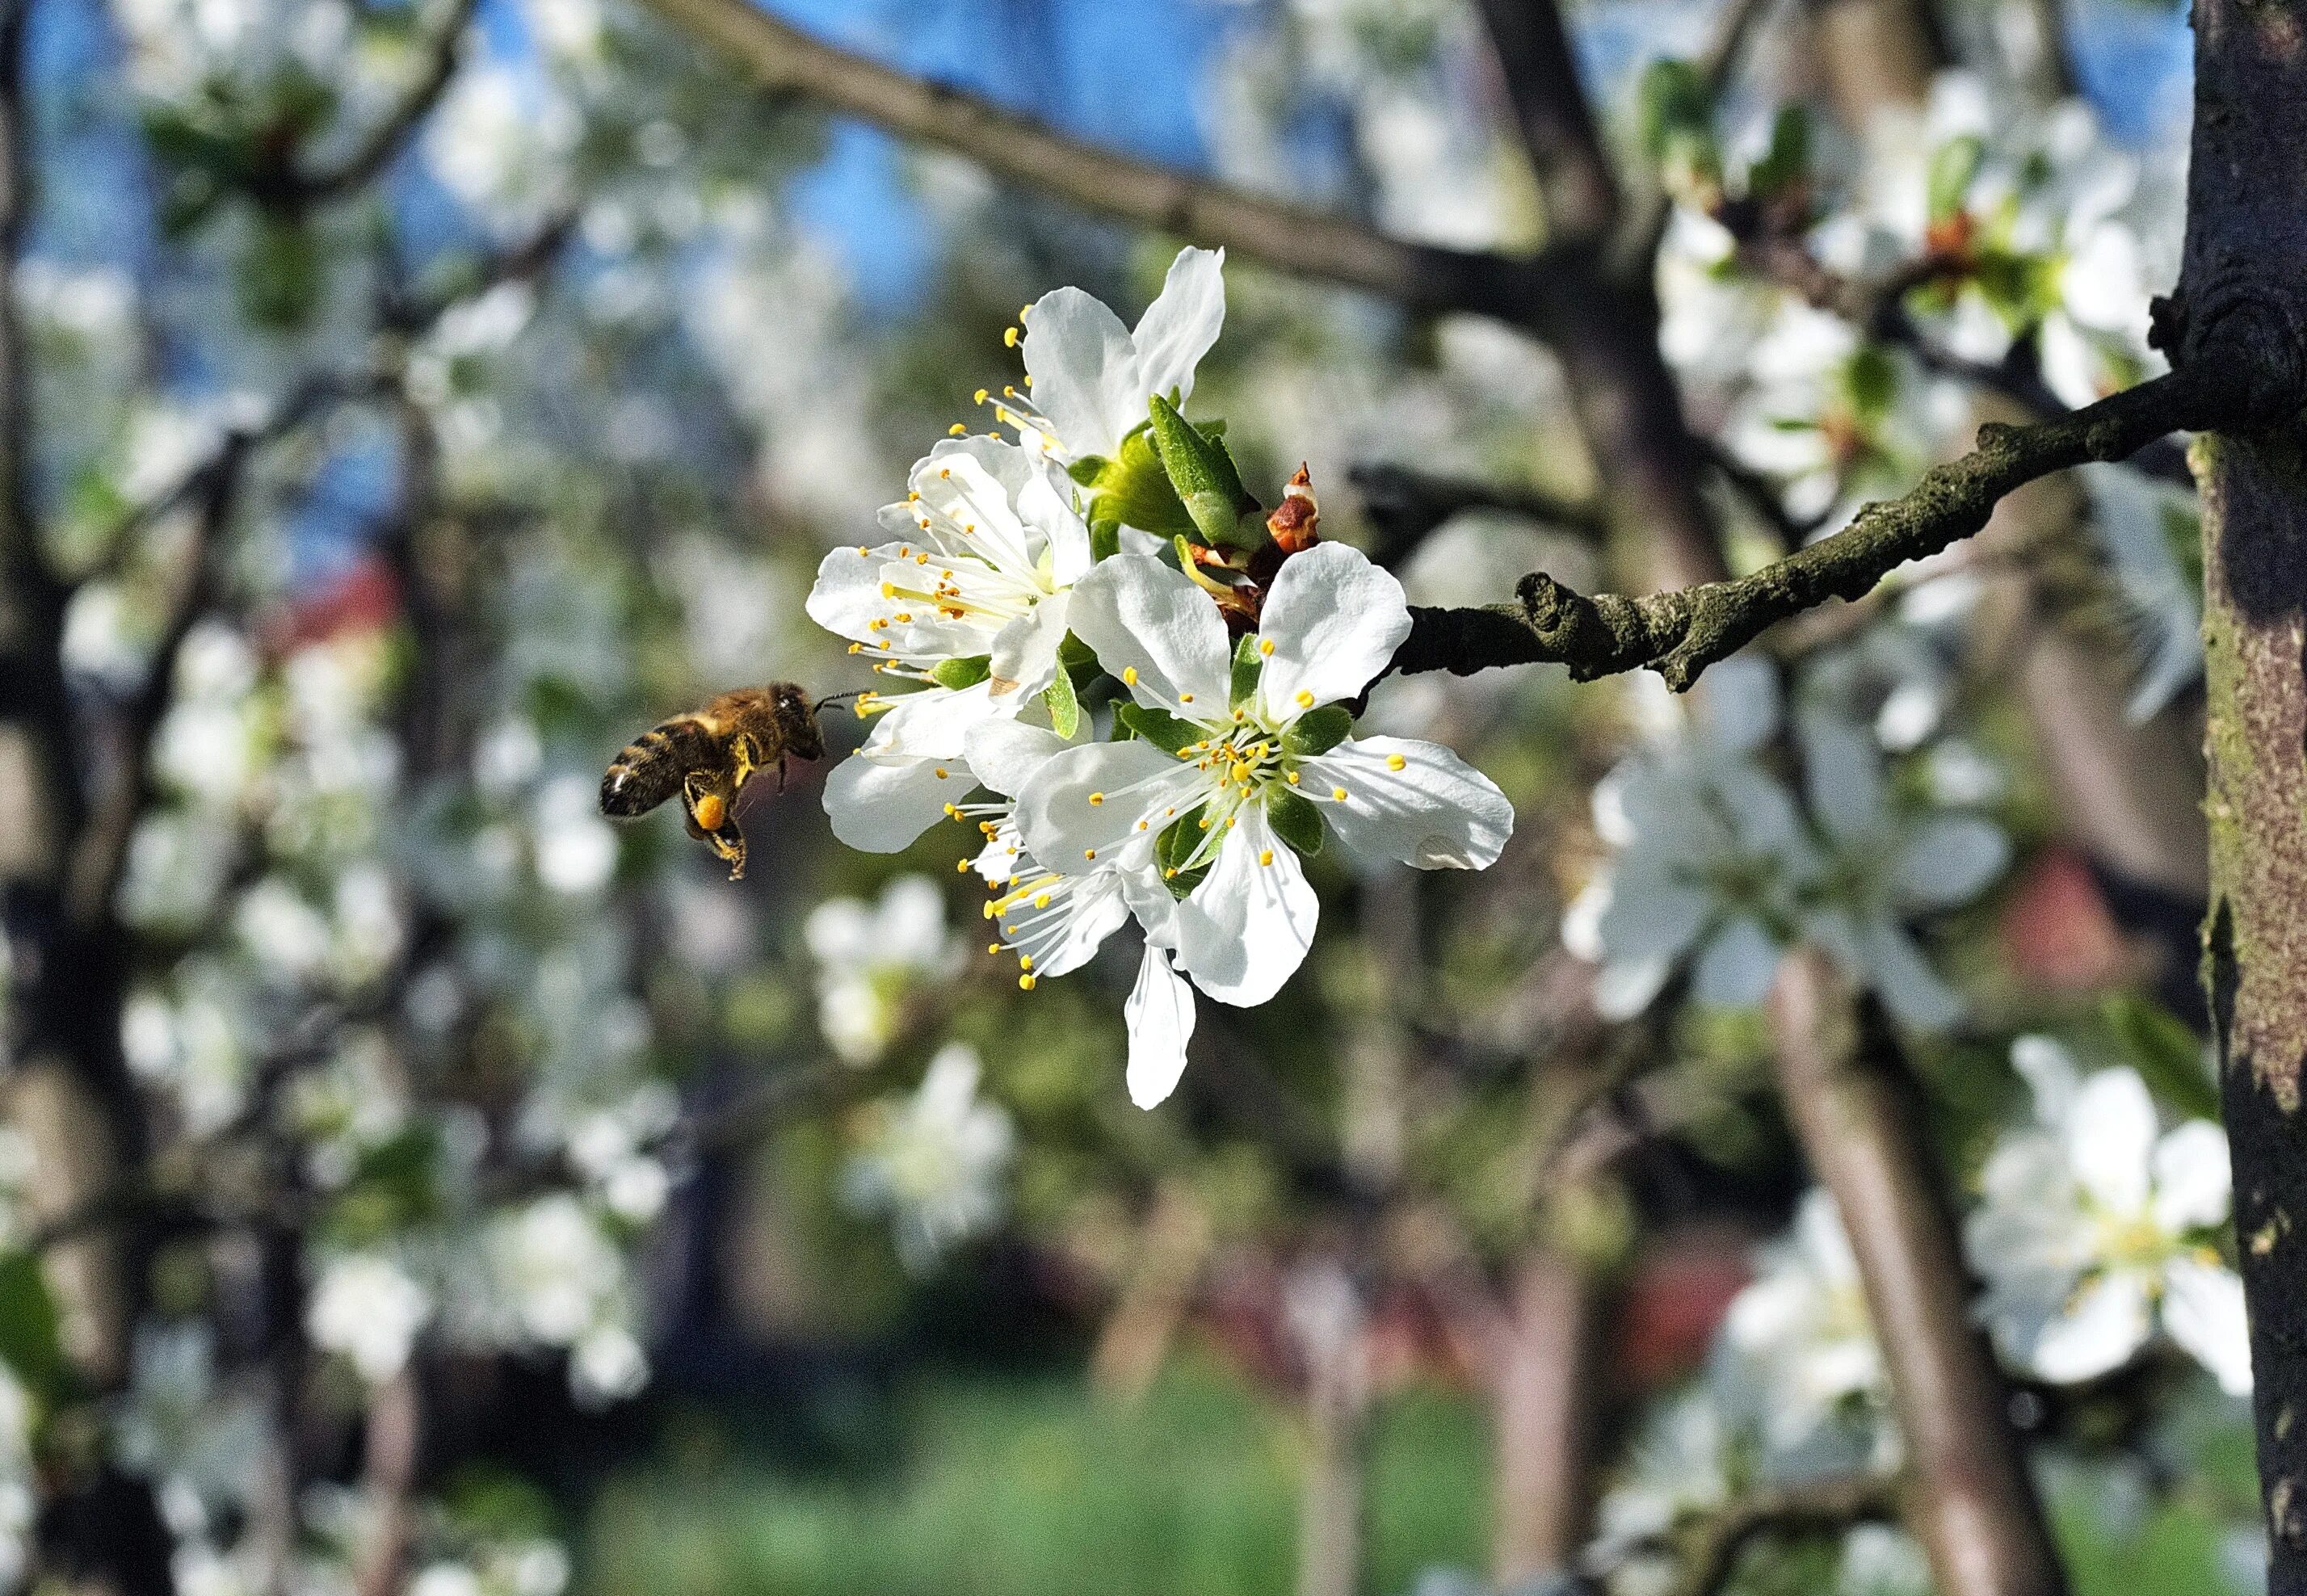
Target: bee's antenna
column 855, row 693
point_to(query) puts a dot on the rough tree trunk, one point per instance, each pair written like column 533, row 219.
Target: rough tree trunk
column 2242, row 298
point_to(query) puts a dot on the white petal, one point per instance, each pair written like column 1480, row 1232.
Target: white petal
column 1247, row 928
column 1735, row 968
column 1024, row 658
column 2105, row 1325
column 1131, row 781
column 1179, row 326
column 1652, row 915
column 1004, row 754
column 1083, row 911
column 1136, row 614
column 1876, row 952
column 1085, row 370
column 2203, row 1311
column 2194, row 1186
column 2110, row 1138
column 880, row 805
column 1334, row 620
column 1160, row 1012
column 1842, row 776
column 846, row 598
column 2051, row 1077
column 1949, row 860
column 1625, row 987
column 1045, row 504
column 1434, row 811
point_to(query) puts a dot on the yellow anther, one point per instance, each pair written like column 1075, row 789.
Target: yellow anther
column 1265, row 645
column 1396, row 761
column 988, row 911
column 1185, row 698
column 1265, row 855
column 1009, row 392
column 1025, row 961
column 979, row 396
column 1141, row 825
column 1089, row 852
column 1095, row 799
column 904, row 617
column 1338, row 794
column 1009, row 338
column 1025, row 311
column 1129, row 675
column 956, row 430
column 1293, row 778
column 1204, row 822
column 942, row 773
column 1025, row 984
column 1305, row 699
column 961, row 867
column 1041, row 900
column 1241, row 772
column 1169, row 875
column 863, row 553
column 1229, row 822
column 993, row 947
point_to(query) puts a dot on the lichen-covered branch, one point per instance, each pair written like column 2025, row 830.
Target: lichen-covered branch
column 1680, row 632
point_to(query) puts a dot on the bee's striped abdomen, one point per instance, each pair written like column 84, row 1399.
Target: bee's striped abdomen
column 650, row 769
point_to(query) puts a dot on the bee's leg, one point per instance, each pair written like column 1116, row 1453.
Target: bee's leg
column 712, row 819
column 745, row 754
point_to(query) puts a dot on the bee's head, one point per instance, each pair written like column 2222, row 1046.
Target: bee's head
column 797, row 719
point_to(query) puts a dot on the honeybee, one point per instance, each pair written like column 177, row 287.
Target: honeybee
column 708, row 755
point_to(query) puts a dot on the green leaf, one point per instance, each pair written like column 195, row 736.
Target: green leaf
column 1248, row 664
column 2168, row 1056
column 1065, row 708
column 1206, row 483
column 1953, row 164
column 1159, row 727
column 1295, row 820
column 1317, row 731
column 1075, row 654
column 1677, row 118
column 1787, row 162
column 1175, row 846
column 29, row 1341
column 962, row 673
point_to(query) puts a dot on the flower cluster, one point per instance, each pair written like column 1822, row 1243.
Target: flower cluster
column 1108, row 566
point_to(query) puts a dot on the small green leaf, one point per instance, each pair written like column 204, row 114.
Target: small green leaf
column 2168, row 1056
column 1677, row 118
column 1248, row 664
column 1206, row 482
column 958, row 673
column 1159, row 727
column 1953, row 164
column 1295, row 820
column 1787, row 162
column 1065, row 708
column 28, row 1342
column 1317, row 731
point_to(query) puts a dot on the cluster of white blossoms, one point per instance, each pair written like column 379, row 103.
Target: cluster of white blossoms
column 1718, row 867
column 1228, row 653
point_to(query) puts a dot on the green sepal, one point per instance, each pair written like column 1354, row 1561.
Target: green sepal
column 1132, row 489
column 1104, row 538
column 1206, row 483
column 1159, row 727
column 1317, row 731
column 1174, row 846
column 1065, row 708
column 1953, row 164
column 1248, row 664
column 1295, row 819
column 958, row 673
column 1086, row 471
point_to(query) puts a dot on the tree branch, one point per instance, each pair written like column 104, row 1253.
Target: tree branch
column 1313, row 243
column 1404, row 505
column 295, row 189
column 1552, row 115
column 1710, row 1548
column 1680, row 632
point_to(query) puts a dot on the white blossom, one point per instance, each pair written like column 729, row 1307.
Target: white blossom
column 366, row 1307
column 933, row 1160
column 871, row 957
column 2095, row 1228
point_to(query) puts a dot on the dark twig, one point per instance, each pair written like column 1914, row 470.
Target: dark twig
column 294, row 189
column 1709, row 1549
column 1403, row 505
column 1680, row 632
